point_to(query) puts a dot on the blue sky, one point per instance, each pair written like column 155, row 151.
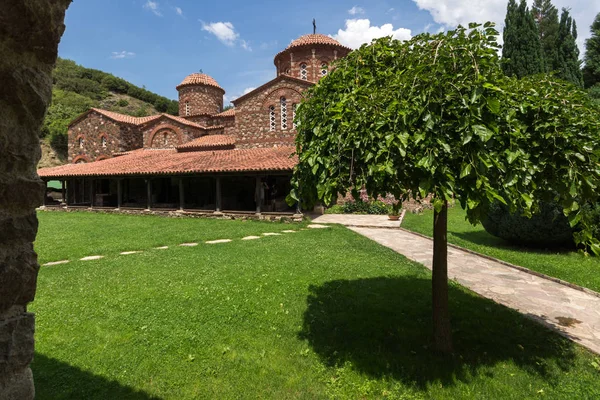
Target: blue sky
column 156, row 43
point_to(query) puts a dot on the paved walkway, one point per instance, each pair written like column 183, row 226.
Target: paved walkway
column 573, row 313
column 372, row 221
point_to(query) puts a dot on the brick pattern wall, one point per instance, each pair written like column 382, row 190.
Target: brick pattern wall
column 202, row 99
column 252, row 116
column 290, row 61
column 228, row 123
column 177, row 133
column 118, row 137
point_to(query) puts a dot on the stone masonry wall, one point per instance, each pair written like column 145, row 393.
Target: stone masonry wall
column 29, row 35
column 177, row 133
column 252, row 116
column 202, row 100
column 313, row 56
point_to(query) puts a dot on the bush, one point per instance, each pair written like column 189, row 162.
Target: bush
column 547, row 228
column 361, row 207
column 122, row 103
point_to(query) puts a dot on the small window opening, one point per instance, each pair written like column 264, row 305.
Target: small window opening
column 303, row 72
column 272, row 121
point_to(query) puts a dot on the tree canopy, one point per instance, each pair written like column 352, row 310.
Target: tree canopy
column 591, row 70
column 436, row 115
column 546, row 18
column 522, row 51
column 569, row 65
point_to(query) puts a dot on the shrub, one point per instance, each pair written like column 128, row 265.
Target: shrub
column 365, row 207
column 547, row 228
column 122, row 103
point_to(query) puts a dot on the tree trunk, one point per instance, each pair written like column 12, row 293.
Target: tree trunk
column 442, row 332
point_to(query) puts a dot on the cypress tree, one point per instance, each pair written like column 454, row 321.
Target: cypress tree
column 569, row 66
column 591, row 71
column 546, row 18
column 521, row 53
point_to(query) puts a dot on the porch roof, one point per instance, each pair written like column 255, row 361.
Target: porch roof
column 171, row 162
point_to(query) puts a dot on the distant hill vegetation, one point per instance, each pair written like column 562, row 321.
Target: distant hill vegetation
column 76, row 89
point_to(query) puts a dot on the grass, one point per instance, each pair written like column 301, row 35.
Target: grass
column 568, row 265
column 313, row 314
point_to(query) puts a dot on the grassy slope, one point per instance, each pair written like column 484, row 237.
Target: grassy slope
column 313, row 314
column 570, row 266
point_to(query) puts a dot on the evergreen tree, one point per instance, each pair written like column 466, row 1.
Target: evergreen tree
column 591, row 71
column 546, row 18
column 569, row 66
column 522, row 54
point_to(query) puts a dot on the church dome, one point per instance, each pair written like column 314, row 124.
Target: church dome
column 199, row 79
column 315, row 38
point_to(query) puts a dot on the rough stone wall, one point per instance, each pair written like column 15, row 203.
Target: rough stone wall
column 313, row 56
column 29, row 35
column 92, row 128
column 204, row 120
column 228, row 123
column 177, row 133
column 202, row 100
column 252, row 116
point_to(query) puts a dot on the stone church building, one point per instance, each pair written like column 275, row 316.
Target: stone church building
column 205, row 159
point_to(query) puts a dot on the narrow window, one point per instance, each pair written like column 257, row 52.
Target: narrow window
column 324, row 69
column 81, row 143
column 284, row 121
column 272, row 118
column 303, row 72
column 294, row 107
column 166, row 138
column 188, row 110
column 103, row 141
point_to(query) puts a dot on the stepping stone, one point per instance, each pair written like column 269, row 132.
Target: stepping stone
column 271, row 234
column 218, row 241
column 188, row 244
column 251, row 238
column 56, row 263
column 289, row 231
column 317, row 226
column 162, row 248
column 126, row 253
column 91, row 258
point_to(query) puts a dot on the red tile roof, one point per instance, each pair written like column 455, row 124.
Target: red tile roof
column 171, row 162
column 227, row 113
column 199, row 79
column 312, row 39
column 209, row 142
column 126, row 119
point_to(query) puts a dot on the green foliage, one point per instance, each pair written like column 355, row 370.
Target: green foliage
column 569, row 65
column 522, row 52
column 123, row 103
column 547, row 228
column 546, row 18
column 366, row 207
column 436, row 115
column 591, row 70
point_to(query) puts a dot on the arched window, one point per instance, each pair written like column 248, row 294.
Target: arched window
column 166, row 138
column 188, row 110
column 303, row 72
column 103, row 141
column 81, row 143
column 324, row 69
column 294, row 107
column 272, row 118
column 284, row 121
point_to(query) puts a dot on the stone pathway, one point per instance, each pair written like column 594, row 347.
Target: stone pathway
column 371, row 221
column 575, row 314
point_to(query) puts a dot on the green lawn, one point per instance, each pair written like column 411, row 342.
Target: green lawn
column 314, row 314
column 568, row 265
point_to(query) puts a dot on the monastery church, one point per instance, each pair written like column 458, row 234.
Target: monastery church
column 206, row 159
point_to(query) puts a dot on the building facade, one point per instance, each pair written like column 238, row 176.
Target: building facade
column 238, row 159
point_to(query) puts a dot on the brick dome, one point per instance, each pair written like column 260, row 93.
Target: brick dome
column 316, row 38
column 199, row 79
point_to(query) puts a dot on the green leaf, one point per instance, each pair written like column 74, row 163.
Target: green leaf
column 465, row 170
column 438, row 204
column 493, row 104
column 483, row 132
column 467, row 138
column 580, row 156
column 528, row 200
column 574, row 219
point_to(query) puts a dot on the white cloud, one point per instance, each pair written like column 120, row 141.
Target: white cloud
column 245, row 45
column 224, row 31
column 153, row 6
column 179, row 11
column 248, row 90
column 122, row 54
column 229, row 99
column 356, row 10
column 451, row 13
column 359, row 31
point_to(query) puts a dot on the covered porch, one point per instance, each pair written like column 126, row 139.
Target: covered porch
column 249, row 193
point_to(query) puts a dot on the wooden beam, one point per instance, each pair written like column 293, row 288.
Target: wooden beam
column 258, row 194
column 181, row 195
column 218, row 194
column 149, row 193
column 119, row 193
column 92, row 192
column 64, row 192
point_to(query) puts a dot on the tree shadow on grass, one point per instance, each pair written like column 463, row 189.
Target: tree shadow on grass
column 383, row 327
column 57, row 380
column 481, row 237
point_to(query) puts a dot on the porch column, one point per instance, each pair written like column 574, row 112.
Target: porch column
column 218, row 194
column 92, row 192
column 119, row 193
column 149, row 193
column 258, row 194
column 64, row 193
column 45, row 202
column 181, row 195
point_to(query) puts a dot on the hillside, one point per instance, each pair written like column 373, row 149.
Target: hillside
column 76, row 89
